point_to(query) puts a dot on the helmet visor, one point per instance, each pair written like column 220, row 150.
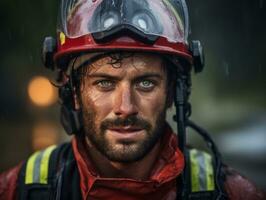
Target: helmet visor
column 153, row 18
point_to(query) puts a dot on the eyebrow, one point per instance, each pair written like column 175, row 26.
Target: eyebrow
column 108, row 76
column 149, row 75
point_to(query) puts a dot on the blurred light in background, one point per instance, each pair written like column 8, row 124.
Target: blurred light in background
column 41, row 91
column 44, row 134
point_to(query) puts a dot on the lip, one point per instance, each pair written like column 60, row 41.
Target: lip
column 128, row 133
column 126, row 129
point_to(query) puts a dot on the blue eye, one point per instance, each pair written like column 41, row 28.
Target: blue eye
column 146, row 85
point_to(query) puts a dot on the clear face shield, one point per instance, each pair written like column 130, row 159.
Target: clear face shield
column 145, row 20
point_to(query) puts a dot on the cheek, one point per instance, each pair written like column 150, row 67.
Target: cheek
column 99, row 103
column 151, row 106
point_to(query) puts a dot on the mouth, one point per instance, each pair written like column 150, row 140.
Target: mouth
column 127, row 129
column 128, row 133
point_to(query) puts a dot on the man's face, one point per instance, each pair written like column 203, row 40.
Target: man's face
column 124, row 105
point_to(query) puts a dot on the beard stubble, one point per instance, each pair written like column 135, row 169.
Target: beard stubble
column 127, row 152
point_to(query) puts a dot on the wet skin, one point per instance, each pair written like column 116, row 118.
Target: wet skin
column 124, row 109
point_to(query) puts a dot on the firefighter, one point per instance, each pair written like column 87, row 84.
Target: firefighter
column 120, row 65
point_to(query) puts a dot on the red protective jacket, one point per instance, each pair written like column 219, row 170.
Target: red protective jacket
column 161, row 184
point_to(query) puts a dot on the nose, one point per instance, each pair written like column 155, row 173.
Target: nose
column 124, row 102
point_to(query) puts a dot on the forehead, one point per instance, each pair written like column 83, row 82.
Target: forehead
column 125, row 63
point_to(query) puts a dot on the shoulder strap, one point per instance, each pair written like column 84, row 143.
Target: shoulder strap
column 68, row 183
column 39, row 174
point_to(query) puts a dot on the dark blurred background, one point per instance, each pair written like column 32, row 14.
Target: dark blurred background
column 228, row 98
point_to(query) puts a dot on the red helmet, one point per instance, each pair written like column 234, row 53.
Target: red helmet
column 159, row 26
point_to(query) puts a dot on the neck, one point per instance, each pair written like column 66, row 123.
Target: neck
column 139, row 170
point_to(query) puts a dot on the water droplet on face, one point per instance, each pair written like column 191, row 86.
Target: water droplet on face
column 108, row 22
column 142, row 24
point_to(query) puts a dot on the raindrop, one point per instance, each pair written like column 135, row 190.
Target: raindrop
column 261, row 3
column 31, row 58
column 9, row 35
column 260, row 68
column 226, row 67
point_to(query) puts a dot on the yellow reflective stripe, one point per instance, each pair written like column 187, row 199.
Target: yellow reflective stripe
column 202, row 172
column 45, row 165
column 177, row 16
column 30, row 168
column 34, row 165
column 209, row 172
column 194, row 170
column 62, row 38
